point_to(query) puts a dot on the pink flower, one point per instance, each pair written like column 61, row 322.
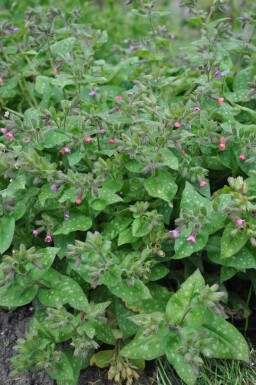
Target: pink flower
column 92, row 94
column 222, row 139
column 65, row 150
column 222, row 146
column 174, row 233
column 118, row 99
column 48, row 127
column 197, row 109
column 177, row 124
column 132, row 48
column 220, row 101
column 242, row 157
column 9, row 136
column 111, row 141
column 54, row 187
column 4, row 130
column 191, row 238
column 202, row 183
column 78, row 201
column 88, row 139
column 35, row 232
column 56, row 71
column 48, row 238
column 240, row 222
column 1, row 80
column 183, row 151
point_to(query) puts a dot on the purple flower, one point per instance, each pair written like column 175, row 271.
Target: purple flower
column 191, row 238
column 16, row 30
column 217, row 74
column 35, row 232
column 197, row 109
column 172, row 37
column 132, row 48
column 92, row 93
column 66, row 216
column 174, row 233
column 54, row 187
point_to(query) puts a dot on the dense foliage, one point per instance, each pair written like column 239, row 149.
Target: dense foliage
column 128, row 180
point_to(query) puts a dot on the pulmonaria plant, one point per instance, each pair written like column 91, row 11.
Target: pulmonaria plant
column 116, row 187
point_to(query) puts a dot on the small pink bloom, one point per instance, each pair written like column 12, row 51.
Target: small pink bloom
column 48, row 127
column 132, row 48
column 202, row 183
column 177, row 124
column 240, row 222
column 4, row 130
column 48, row 238
column 78, row 201
column 174, row 233
column 65, row 150
column 183, row 152
column 191, row 238
column 242, row 157
column 54, row 187
column 220, row 101
column 56, row 71
column 26, row 139
column 15, row 30
column 88, row 139
column 92, row 94
column 222, row 139
column 197, row 109
column 35, row 232
column 9, row 136
column 222, row 146
column 111, row 141
column 118, row 99
column 1, row 80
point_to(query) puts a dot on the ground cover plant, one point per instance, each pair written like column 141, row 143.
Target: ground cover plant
column 128, row 185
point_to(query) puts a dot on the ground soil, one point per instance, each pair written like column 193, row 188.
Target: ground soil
column 13, row 325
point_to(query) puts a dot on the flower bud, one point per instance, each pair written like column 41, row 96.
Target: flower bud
column 220, row 101
column 88, row 139
column 242, row 157
column 191, row 238
column 202, row 183
column 48, row 238
column 240, row 222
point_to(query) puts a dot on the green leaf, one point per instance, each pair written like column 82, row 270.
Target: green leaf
column 227, row 273
column 116, row 226
column 64, row 46
column 169, row 159
column 102, row 359
column 122, row 314
column 126, row 237
column 184, row 249
column 61, row 241
column 140, row 227
column 61, row 290
column 231, row 245
column 46, row 262
column 161, row 186
column 62, row 370
column 157, row 272
column 177, row 360
column 54, row 138
column 7, row 226
column 75, row 223
column 17, row 293
column 242, row 260
column 106, row 198
column 146, row 347
column 191, row 199
column 228, row 341
column 180, row 302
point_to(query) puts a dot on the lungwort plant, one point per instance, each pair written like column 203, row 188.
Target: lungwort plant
column 127, row 195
